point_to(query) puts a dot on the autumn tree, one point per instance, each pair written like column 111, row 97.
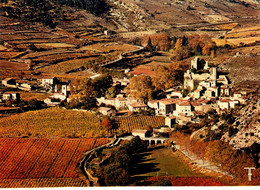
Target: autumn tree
column 181, row 53
column 141, row 87
column 83, row 94
column 111, row 92
column 102, row 83
column 206, row 50
column 169, row 76
column 159, row 41
column 163, row 79
column 107, row 124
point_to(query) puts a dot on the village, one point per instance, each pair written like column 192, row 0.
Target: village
column 207, row 90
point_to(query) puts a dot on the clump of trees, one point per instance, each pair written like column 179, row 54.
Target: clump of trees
column 84, row 92
column 141, row 87
column 145, row 87
column 158, row 41
column 191, row 45
column 116, row 171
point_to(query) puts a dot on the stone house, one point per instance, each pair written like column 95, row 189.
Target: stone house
column 25, row 86
column 197, row 93
column 140, row 132
column 167, row 106
column 135, row 107
column 121, row 102
column 206, row 79
column 107, row 111
column 223, row 104
column 233, row 103
column 224, row 91
column 227, row 103
column 175, row 94
column 212, row 92
column 154, row 104
column 48, row 81
column 11, row 96
column 107, row 101
column 52, row 101
column 183, row 119
column 237, row 95
column 184, row 107
column 170, row 121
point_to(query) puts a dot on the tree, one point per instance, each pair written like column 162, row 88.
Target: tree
column 206, row 50
column 181, row 53
column 168, row 76
column 178, row 43
column 34, row 104
column 101, row 84
column 111, row 92
column 107, row 124
column 83, row 94
column 141, row 87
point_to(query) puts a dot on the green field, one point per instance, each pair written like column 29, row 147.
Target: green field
column 162, row 161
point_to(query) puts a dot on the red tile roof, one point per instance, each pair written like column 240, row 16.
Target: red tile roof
column 11, row 92
column 184, row 103
column 138, row 105
column 139, row 131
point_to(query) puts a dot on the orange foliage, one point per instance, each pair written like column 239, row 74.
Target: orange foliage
column 230, row 160
column 160, row 41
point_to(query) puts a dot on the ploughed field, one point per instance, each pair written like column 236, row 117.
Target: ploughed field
column 43, row 162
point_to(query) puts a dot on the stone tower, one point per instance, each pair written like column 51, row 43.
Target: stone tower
column 64, row 89
column 194, row 63
column 213, row 73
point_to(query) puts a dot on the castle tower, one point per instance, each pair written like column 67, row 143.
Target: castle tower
column 56, row 88
column 194, row 63
column 206, row 67
column 213, row 73
column 64, row 89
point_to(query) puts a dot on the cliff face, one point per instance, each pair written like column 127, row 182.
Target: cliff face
column 247, row 123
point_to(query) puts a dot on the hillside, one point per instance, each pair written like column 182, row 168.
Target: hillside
column 177, row 16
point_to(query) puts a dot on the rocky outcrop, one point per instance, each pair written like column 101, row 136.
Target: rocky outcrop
column 247, row 123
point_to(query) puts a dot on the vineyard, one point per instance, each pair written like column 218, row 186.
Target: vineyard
column 65, row 66
column 56, row 122
column 52, row 122
column 42, row 182
column 42, row 162
column 27, row 96
column 127, row 124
